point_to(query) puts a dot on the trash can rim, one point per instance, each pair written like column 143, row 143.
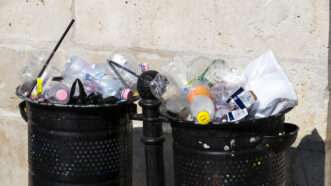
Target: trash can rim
column 175, row 121
column 24, row 98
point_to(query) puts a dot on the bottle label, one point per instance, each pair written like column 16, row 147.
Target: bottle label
column 237, row 115
column 242, row 99
column 200, row 90
column 235, row 94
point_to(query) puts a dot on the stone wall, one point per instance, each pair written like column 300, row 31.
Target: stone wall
column 155, row 32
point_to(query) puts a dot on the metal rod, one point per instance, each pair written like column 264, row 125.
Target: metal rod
column 118, row 75
column 124, row 68
column 53, row 52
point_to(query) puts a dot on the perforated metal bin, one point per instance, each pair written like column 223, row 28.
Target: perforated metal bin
column 250, row 153
column 79, row 145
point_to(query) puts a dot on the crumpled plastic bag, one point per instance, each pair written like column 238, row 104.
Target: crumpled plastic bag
column 268, row 81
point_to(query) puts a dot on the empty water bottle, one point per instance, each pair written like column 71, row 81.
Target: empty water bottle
column 197, row 69
column 76, row 68
column 57, row 92
column 31, row 70
column 110, row 87
column 128, row 62
column 98, row 71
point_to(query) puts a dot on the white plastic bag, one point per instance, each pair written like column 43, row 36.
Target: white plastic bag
column 270, row 84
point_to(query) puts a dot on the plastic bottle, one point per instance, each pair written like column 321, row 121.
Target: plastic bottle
column 76, row 68
column 175, row 73
column 202, row 108
column 143, row 67
column 197, row 69
column 98, row 71
column 225, row 82
column 163, row 87
column 166, row 89
column 128, row 62
column 57, row 92
column 31, row 70
column 177, row 104
column 91, row 86
column 108, row 86
column 201, row 105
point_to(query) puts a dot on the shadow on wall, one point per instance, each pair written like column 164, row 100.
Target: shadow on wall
column 307, row 161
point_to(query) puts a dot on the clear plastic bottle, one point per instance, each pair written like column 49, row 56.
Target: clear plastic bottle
column 57, row 92
column 201, row 105
column 76, row 68
column 128, row 62
column 98, row 71
column 202, row 108
column 31, row 70
column 108, row 86
column 163, row 87
column 166, row 89
column 91, row 86
column 197, row 69
column 176, row 104
column 225, row 82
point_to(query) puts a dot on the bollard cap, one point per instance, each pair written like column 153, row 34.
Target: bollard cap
column 143, row 84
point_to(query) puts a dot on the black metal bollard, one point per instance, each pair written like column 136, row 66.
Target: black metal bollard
column 152, row 132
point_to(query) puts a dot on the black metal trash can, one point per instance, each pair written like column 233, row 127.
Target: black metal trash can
column 250, row 153
column 79, row 145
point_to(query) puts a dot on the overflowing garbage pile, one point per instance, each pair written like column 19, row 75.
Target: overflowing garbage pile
column 209, row 91
column 81, row 82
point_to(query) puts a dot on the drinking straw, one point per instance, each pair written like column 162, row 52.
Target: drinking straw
column 52, row 54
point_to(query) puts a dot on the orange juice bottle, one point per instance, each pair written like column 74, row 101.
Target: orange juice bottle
column 201, row 104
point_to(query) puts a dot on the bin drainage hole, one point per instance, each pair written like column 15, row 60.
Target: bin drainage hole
column 226, row 148
column 206, row 146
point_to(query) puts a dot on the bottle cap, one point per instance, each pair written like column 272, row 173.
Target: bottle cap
column 126, row 94
column 144, row 67
column 61, row 95
column 203, row 118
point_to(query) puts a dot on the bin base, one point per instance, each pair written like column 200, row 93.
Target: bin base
column 33, row 181
column 247, row 168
